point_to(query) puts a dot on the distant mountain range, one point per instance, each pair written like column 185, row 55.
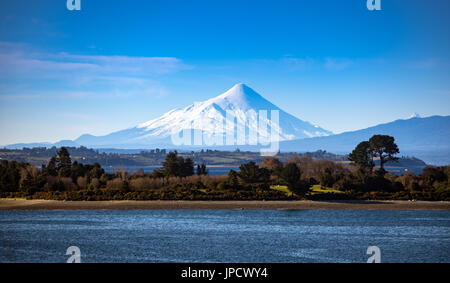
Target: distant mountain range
column 426, row 138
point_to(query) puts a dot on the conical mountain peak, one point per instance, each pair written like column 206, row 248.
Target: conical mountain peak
column 209, row 116
column 241, row 96
column 240, row 90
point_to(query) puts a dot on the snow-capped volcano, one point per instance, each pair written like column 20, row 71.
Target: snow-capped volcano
column 209, row 118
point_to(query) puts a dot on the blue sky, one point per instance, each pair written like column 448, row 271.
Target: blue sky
column 116, row 64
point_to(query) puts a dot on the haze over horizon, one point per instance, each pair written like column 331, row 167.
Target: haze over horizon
column 112, row 66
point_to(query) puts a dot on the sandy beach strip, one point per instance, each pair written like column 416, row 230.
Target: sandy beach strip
column 21, row 204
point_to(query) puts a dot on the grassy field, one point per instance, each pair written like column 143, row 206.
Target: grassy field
column 283, row 189
column 316, row 189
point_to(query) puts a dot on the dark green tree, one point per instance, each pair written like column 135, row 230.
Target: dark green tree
column 10, row 175
column 171, row 166
column 233, row 179
column 77, row 170
column 177, row 166
column 186, row 167
column 32, row 183
column 201, row 169
column 50, row 168
column 362, row 155
column 291, row 174
column 384, row 147
column 64, row 162
column 250, row 173
column 97, row 171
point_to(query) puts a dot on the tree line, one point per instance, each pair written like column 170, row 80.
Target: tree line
column 180, row 178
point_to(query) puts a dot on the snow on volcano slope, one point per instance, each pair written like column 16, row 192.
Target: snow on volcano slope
column 208, row 117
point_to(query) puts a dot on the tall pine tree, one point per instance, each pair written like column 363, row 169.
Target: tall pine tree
column 64, row 162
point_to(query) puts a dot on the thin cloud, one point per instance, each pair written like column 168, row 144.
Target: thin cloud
column 20, row 62
column 338, row 64
column 84, row 75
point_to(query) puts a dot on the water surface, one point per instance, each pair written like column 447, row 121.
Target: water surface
column 225, row 235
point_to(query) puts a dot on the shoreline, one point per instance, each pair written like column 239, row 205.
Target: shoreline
column 21, row 204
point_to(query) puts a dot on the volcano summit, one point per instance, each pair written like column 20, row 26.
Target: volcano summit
column 208, row 118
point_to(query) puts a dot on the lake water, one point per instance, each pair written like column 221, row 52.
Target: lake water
column 225, row 235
